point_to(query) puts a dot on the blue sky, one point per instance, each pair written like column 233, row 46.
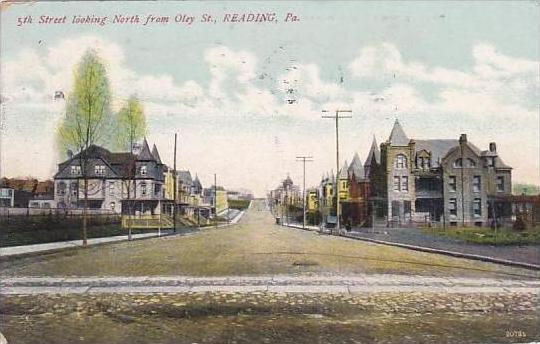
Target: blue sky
column 442, row 68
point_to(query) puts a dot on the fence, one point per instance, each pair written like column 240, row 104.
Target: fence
column 147, row 221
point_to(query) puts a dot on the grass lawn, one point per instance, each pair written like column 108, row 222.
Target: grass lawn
column 488, row 236
column 253, row 247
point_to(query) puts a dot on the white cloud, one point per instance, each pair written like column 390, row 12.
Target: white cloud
column 496, row 86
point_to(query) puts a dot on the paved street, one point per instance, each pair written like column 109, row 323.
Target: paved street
column 256, row 282
column 373, row 283
column 255, row 246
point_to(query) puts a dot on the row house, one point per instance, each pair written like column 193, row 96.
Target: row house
column 120, row 182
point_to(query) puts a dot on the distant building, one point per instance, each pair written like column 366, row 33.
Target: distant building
column 7, row 197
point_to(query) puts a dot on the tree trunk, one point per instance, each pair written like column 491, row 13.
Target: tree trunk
column 85, row 213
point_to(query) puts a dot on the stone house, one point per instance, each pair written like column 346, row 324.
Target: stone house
column 448, row 181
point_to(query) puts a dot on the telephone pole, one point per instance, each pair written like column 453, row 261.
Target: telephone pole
column 337, row 117
column 304, row 159
column 174, row 184
column 215, row 200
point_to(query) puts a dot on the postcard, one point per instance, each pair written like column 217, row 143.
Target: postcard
column 269, row 172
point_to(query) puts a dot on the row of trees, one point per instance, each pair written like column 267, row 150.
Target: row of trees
column 90, row 120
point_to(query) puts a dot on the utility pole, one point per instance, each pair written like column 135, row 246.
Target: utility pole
column 174, row 184
column 215, row 200
column 304, row 159
column 337, row 117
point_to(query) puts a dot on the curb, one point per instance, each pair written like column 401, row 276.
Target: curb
column 443, row 252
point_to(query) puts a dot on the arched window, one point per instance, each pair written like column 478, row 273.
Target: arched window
column 471, row 162
column 401, row 161
column 458, row 163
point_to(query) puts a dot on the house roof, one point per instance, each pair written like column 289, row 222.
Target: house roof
column 398, row 136
column 155, row 154
column 373, row 153
column 343, row 171
column 145, row 153
column 437, row 148
column 197, row 182
column 185, row 177
column 356, row 167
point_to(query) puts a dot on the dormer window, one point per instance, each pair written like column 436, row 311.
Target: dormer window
column 401, row 161
column 99, row 170
column 458, row 163
column 423, row 163
column 75, row 170
column 143, row 170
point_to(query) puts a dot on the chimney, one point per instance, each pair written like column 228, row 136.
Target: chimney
column 493, row 147
column 69, row 154
column 462, row 138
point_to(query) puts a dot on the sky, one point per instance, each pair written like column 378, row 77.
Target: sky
column 247, row 98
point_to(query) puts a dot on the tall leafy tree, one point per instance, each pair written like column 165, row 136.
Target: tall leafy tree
column 87, row 119
column 131, row 125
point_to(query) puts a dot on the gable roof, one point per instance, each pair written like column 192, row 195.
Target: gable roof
column 355, row 168
column 155, row 154
column 374, row 153
column 398, row 136
column 185, row 177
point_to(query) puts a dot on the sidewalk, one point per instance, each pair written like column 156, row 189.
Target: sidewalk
column 412, row 238
column 376, row 283
column 61, row 245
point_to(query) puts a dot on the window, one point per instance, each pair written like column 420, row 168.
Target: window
column 73, row 187
column 75, row 170
column 143, row 170
column 143, row 189
column 452, row 183
column 423, row 163
column 458, row 163
column 471, row 162
column 61, row 189
column 491, row 161
column 477, row 182
column 500, row 184
column 99, row 170
column 157, row 189
column 477, row 207
column 401, row 161
column 452, row 206
column 396, row 183
column 111, row 188
column 405, row 183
